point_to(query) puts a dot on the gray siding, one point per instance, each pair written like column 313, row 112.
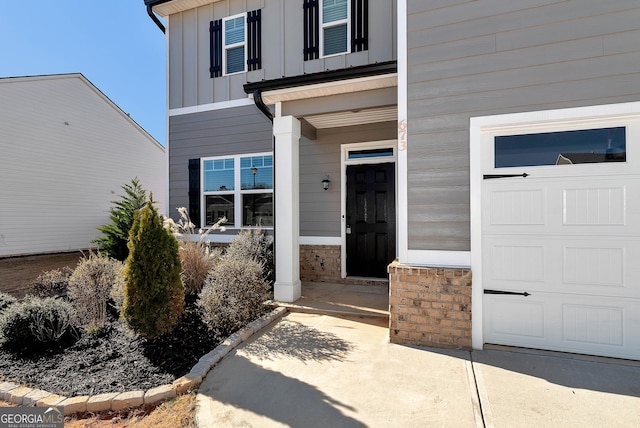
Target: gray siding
column 320, row 209
column 477, row 58
column 212, row 133
column 190, row 83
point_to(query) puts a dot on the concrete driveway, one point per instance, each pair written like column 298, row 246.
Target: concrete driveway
column 313, row 370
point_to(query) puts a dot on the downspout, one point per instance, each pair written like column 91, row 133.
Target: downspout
column 257, row 99
column 155, row 18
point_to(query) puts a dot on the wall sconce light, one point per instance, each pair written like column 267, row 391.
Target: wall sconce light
column 325, row 183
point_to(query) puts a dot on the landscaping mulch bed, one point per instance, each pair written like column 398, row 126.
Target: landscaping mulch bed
column 116, row 360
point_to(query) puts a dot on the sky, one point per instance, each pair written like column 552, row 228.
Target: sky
column 113, row 43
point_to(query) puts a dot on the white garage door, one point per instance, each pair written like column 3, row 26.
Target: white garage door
column 561, row 242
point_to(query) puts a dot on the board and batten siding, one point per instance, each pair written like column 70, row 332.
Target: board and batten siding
column 67, row 150
column 190, row 83
column 319, row 208
column 224, row 132
column 477, row 58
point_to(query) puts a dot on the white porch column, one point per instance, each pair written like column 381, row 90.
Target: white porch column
column 286, row 131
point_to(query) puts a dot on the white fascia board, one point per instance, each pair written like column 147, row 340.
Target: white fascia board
column 242, row 102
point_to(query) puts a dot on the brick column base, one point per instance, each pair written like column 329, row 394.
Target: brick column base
column 430, row 306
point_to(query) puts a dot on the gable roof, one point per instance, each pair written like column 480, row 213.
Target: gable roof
column 93, row 87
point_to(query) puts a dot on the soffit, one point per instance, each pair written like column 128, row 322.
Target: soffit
column 330, row 88
column 176, row 6
column 352, row 118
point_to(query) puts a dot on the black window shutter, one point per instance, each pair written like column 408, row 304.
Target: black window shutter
column 359, row 25
column 215, row 48
column 311, row 29
column 254, row 25
column 194, row 191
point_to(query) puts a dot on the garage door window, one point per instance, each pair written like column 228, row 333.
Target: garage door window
column 561, row 148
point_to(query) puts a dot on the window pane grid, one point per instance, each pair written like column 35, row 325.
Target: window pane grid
column 218, row 175
column 235, row 45
column 239, row 188
column 256, row 172
column 334, row 10
column 234, row 31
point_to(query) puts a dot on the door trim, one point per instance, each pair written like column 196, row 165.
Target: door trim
column 344, row 162
column 481, row 132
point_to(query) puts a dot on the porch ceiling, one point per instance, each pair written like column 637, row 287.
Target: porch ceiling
column 352, row 118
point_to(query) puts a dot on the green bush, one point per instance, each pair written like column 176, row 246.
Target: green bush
column 116, row 233
column 6, row 300
column 52, row 283
column 233, row 295
column 90, row 288
column 34, row 321
column 154, row 293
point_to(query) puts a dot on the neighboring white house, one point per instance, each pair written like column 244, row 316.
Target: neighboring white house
column 65, row 152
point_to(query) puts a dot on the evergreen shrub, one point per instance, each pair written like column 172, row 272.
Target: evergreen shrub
column 154, row 293
column 116, row 233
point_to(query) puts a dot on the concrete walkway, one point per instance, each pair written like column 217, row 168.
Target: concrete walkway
column 323, row 370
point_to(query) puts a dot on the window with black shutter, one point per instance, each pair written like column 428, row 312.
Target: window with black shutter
column 311, row 29
column 334, row 27
column 235, row 44
column 215, row 48
column 359, row 25
column 254, row 58
column 194, row 191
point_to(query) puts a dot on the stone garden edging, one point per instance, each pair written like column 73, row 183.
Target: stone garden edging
column 25, row 396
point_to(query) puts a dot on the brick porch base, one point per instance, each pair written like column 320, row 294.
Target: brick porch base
column 430, row 306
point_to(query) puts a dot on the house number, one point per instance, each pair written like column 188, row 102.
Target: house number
column 402, row 133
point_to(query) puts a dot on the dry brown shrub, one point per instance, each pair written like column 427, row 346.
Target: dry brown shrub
column 197, row 260
column 90, row 287
column 52, row 283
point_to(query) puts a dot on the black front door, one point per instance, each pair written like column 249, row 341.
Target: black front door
column 371, row 219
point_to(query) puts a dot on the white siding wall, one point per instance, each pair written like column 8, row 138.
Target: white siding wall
column 65, row 152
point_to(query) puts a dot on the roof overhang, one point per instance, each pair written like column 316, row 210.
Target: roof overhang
column 165, row 8
column 330, row 88
column 329, row 83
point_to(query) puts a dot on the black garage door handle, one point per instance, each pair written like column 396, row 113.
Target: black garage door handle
column 510, row 293
column 491, row 176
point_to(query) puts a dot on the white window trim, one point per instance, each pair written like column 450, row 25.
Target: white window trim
column 237, row 192
column 225, row 48
column 345, row 161
column 324, row 26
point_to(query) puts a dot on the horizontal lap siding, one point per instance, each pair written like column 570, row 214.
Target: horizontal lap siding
column 66, row 152
column 477, row 58
column 319, row 208
column 213, row 133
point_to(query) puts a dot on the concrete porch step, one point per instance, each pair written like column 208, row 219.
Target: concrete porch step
column 342, row 299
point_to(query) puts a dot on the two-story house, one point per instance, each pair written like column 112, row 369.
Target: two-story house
column 488, row 147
